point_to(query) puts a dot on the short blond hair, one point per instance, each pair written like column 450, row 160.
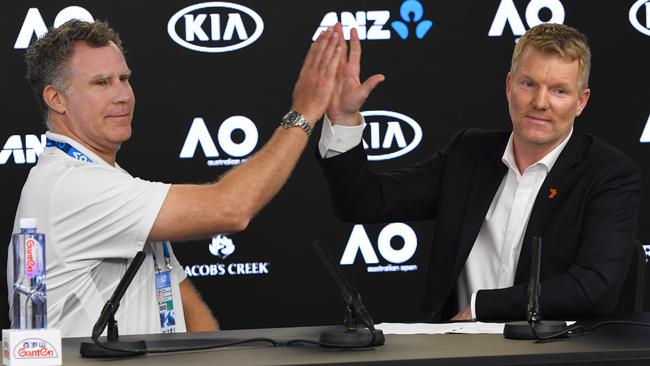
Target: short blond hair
column 560, row 40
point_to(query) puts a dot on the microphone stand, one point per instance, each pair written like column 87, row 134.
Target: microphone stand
column 114, row 347
column 358, row 328
column 534, row 328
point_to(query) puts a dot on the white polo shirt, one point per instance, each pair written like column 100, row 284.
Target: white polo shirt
column 95, row 217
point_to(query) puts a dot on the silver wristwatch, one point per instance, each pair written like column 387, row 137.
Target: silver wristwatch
column 295, row 119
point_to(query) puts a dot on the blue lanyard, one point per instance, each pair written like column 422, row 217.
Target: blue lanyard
column 68, row 149
column 168, row 264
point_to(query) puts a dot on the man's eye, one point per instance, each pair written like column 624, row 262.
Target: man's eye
column 101, row 82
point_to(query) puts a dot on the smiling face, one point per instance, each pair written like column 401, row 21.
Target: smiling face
column 543, row 100
column 97, row 105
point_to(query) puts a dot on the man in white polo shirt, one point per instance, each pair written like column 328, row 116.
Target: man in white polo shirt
column 96, row 216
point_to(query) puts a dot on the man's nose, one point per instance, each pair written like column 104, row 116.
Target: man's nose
column 540, row 100
column 123, row 93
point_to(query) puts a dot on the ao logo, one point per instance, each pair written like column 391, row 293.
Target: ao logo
column 393, row 132
column 33, row 147
column 199, row 135
column 634, row 16
column 34, row 24
column 359, row 242
column 645, row 135
column 507, row 13
column 228, row 30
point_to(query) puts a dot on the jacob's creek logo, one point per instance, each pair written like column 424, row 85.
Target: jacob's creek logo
column 389, row 135
column 537, row 12
column 34, row 348
column 34, row 25
column 359, row 242
column 237, row 137
column 376, row 24
column 22, row 153
column 215, row 27
column 223, row 247
column 640, row 16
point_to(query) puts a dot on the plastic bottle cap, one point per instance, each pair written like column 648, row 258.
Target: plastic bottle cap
column 28, row 223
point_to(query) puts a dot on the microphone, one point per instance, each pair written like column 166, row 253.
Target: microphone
column 107, row 318
column 356, row 314
column 534, row 327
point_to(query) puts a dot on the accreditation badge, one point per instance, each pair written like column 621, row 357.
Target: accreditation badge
column 165, row 301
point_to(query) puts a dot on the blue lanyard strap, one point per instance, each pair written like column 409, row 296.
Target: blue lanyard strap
column 68, row 149
column 167, row 257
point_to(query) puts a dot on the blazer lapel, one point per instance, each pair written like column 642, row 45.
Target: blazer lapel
column 486, row 178
column 549, row 194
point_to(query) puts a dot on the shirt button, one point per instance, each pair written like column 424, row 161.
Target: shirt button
column 504, row 269
column 339, row 139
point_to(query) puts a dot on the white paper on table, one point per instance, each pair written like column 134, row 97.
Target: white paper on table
column 444, row 328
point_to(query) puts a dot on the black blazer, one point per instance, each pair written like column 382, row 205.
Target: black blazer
column 588, row 226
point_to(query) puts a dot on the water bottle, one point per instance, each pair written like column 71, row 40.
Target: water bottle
column 29, row 310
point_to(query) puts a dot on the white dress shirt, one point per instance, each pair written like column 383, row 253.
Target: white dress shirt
column 492, row 263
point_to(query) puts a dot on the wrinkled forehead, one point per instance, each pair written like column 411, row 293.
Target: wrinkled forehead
column 90, row 60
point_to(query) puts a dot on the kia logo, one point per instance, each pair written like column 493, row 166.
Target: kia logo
column 634, row 16
column 387, row 135
column 215, row 27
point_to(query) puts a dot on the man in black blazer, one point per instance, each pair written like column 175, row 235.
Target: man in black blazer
column 490, row 192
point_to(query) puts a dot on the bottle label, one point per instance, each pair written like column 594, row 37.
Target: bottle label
column 31, row 261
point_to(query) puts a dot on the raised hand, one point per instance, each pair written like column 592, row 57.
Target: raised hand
column 313, row 90
column 350, row 94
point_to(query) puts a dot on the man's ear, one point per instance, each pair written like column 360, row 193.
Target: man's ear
column 54, row 98
column 508, row 85
column 582, row 100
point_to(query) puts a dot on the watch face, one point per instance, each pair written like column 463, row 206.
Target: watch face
column 291, row 117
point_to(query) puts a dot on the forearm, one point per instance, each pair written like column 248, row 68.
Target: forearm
column 198, row 317
column 230, row 203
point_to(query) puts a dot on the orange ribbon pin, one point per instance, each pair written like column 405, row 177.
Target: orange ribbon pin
column 553, row 193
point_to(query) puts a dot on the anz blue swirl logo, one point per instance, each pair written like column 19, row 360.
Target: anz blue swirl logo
column 411, row 11
column 376, row 25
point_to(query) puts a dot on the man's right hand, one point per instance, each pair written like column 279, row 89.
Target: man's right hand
column 350, row 94
column 313, row 90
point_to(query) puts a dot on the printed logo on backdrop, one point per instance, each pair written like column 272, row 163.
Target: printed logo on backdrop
column 215, row 27
column 377, row 25
column 393, row 260
column 236, row 138
column 640, row 16
column 34, row 25
column 645, row 135
column 537, row 12
column 22, row 149
column 223, row 247
column 389, row 135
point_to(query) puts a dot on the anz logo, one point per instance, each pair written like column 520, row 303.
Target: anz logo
column 551, row 10
column 376, row 24
column 389, row 135
column 34, row 25
column 26, row 153
column 641, row 9
column 215, row 27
